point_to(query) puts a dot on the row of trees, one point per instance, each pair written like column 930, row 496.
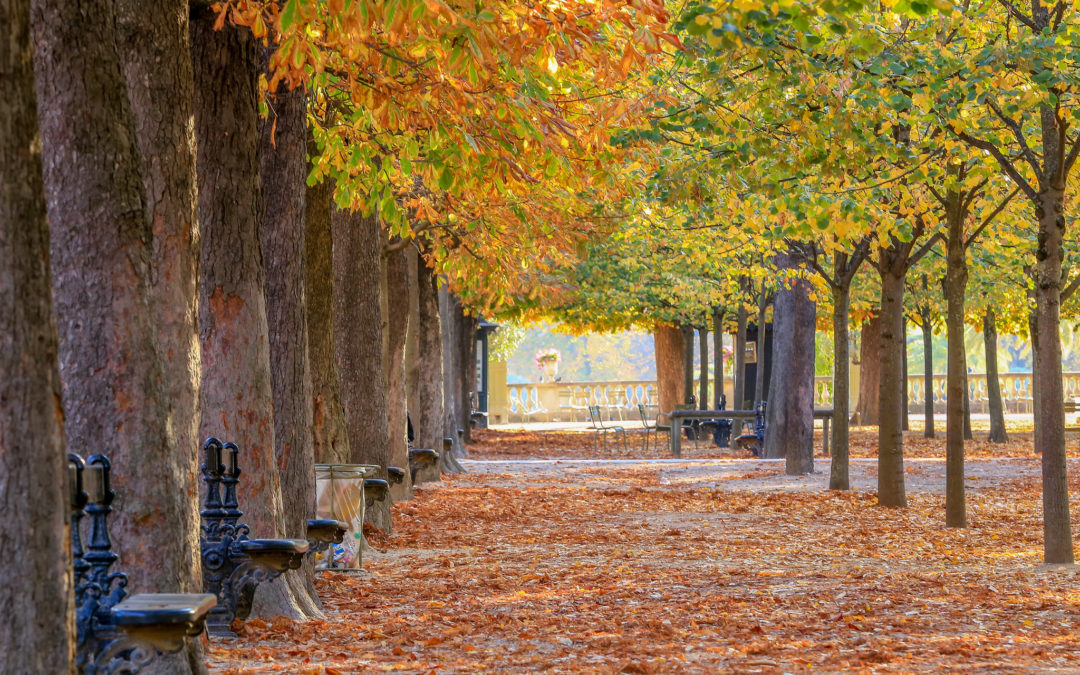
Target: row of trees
column 249, row 220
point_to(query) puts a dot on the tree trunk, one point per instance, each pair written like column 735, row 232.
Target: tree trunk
column 412, row 342
column 956, row 394
column 703, row 377
column 993, row 383
column 967, row 404
column 1049, row 413
column 154, row 42
column 357, row 249
column 466, row 344
column 114, row 393
column 670, row 354
column 718, row 355
column 688, row 363
column 838, row 471
column 928, row 373
column 905, row 423
column 35, row 553
column 398, row 293
column 331, row 440
column 740, row 402
column 891, row 387
column 237, row 391
column 869, row 371
column 428, row 415
column 759, row 370
column 450, row 310
column 790, row 431
column 283, row 159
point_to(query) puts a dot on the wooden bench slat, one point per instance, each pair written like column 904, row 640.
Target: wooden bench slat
column 147, row 609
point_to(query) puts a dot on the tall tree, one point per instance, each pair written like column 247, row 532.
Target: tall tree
column 428, row 415
column 115, row 391
column 283, row 168
column 35, row 553
column 670, row 356
column 331, row 439
column 237, row 390
column 789, row 432
column 358, row 341
column 399, row 291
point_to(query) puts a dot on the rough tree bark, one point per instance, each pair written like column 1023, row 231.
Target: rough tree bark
column 703, row 370
column 993, row 384
column 114, row 393
column 789, row 432
column 331, row 440
column 670, row 355
column 35, row 552
column 428, row 415
column 838, row 447
column 153, row 43
column 466, row 345
column 357, row 249
column 398, row 294
column 869, row 372
column 283, row 162
column 237, row 394
column 688, row 363
column 891, row 386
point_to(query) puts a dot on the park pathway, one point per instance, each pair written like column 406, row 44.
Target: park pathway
column 708, row 566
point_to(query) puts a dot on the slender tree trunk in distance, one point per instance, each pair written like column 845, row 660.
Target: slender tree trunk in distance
column 284, row 173
column 703, row 378
column 998, row 433
column 838, row 470
column 891, row 387
column 428, row 415
column 688, row 362
column 237, row 390
column 450, row 310
column 670, row 355
column 357, row 249
column 115, row 396
column 967, row 404
column 412, row 341
column 35, row 550
column 870, row 371
column 790, row 431
column 956, row 395
column 331, row 439
column 398, row 292
column 466, row 344
column 740, row 402
column 154, row 47
column 759, row 370
column 928, row 372
column 718, row 354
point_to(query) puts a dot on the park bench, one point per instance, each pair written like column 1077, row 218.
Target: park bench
column 375, row 490
column 420, row 459
column 396, row 474
column 116, row 632
column 754, row 441
column 322, row 534
column 234, row 564
column 602, row 430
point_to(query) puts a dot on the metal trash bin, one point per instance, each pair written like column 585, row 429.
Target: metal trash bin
column 339, row 495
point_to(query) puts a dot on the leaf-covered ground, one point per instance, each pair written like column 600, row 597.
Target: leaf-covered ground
column 699, row 566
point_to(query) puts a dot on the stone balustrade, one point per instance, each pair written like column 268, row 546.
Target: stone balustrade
column 618, row 399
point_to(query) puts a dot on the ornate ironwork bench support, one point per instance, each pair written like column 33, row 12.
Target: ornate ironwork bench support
column 234, row 564
column 118, row 634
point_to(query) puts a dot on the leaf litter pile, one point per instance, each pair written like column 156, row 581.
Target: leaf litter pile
column 697, row 567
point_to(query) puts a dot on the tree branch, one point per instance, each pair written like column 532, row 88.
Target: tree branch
column 986, row 221
column 1003, row 161
column 1018, row 133
column 1020, row 16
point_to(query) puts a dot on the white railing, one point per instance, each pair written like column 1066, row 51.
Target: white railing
column 569, row 401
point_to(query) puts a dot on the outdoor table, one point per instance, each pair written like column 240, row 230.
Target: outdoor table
column 676, row 416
